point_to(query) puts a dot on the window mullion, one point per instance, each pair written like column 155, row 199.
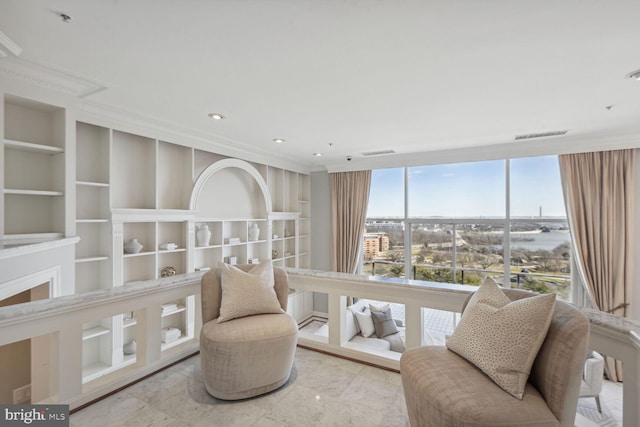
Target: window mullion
column 506, row 243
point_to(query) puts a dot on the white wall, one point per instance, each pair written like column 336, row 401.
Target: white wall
column 321, row 231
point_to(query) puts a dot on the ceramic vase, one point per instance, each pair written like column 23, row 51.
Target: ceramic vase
column 130, row 347
column 203, row 235
column 254, row 232
column 132, row 246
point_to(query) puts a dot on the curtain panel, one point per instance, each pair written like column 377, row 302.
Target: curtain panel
column 599, row 196
column 349, row 200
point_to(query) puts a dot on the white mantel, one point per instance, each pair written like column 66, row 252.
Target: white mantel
column 24, row 263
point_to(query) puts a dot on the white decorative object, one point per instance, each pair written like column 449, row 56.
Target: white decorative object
column 203, row 235
column 130, row 347
column 170, row 334
column 132, row 246
column 254, row 232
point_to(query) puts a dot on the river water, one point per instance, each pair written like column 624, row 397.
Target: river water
column 541, row 241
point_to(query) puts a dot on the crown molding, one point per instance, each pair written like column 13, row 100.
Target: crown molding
column 8, row 47
column 50, row 78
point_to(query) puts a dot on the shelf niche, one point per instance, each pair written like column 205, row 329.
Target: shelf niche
column 229, row 196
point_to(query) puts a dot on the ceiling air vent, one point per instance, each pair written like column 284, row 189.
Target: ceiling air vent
column 541, row 134
column 377, row 153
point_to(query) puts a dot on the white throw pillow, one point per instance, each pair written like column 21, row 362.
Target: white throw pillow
column 502, row 338
column 247, row 293
column 366, row 323
column 352, row 328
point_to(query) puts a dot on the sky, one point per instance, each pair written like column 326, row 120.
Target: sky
column 474, row 189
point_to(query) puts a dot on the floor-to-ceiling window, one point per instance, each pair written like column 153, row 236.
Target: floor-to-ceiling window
column 458, row 223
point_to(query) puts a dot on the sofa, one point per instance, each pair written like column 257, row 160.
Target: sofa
column 361, row 332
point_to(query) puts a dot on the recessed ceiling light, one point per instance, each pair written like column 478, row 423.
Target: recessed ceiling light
column 278, row 140
column 216, row 116
column 634, row 75
column 317, row 154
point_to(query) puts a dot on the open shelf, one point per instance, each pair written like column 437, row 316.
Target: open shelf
column 94, row 332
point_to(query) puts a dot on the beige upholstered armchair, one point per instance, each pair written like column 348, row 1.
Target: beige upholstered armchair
column 443, row 389
column 592, row 377
column 246, row 356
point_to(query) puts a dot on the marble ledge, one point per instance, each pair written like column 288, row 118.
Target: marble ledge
column 614, row 323
column 78, row 301
column 332, row 275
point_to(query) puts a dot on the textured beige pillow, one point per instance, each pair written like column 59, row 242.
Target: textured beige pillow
column 502, row 338
column 247, row 293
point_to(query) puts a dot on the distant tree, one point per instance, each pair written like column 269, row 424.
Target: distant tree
column 397, row 270
column 486, row 262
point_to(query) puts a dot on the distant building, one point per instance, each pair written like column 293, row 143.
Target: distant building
column 374, row 243
column 389, row 225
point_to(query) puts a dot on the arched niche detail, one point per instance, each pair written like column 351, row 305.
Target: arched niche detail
column 224, row 164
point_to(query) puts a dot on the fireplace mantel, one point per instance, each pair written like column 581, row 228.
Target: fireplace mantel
column 24, row 261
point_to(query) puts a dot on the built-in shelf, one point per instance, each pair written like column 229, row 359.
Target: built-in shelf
column 147, row 253
column 94, row 332
column 169, row 251
column 200, row 248
column 93, row 371
column 180, row 309
column 92, row 221
column 32, row 192
column 181, row 340
column 92, row 259
column 31, row 147
column 92, row 184
column 129, row 322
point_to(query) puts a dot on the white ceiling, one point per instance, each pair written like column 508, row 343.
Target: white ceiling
column 352, row 76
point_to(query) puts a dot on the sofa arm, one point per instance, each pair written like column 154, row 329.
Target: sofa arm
column 593, row 372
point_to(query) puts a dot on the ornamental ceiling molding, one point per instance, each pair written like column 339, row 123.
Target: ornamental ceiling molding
column 48, row 77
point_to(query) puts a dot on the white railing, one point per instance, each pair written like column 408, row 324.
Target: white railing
column 62, row 319
column 609, row 335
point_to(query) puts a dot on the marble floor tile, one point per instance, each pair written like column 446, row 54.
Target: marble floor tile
column 322, row 391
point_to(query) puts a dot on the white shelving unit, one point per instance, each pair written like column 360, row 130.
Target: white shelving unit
column 181, row 318
column 97, row 346
column 220, row 248
column 33, row 196
column 66, row 177
column 93, row 213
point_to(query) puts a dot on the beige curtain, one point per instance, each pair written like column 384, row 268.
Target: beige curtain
column 349, row 199
column 599, row 194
